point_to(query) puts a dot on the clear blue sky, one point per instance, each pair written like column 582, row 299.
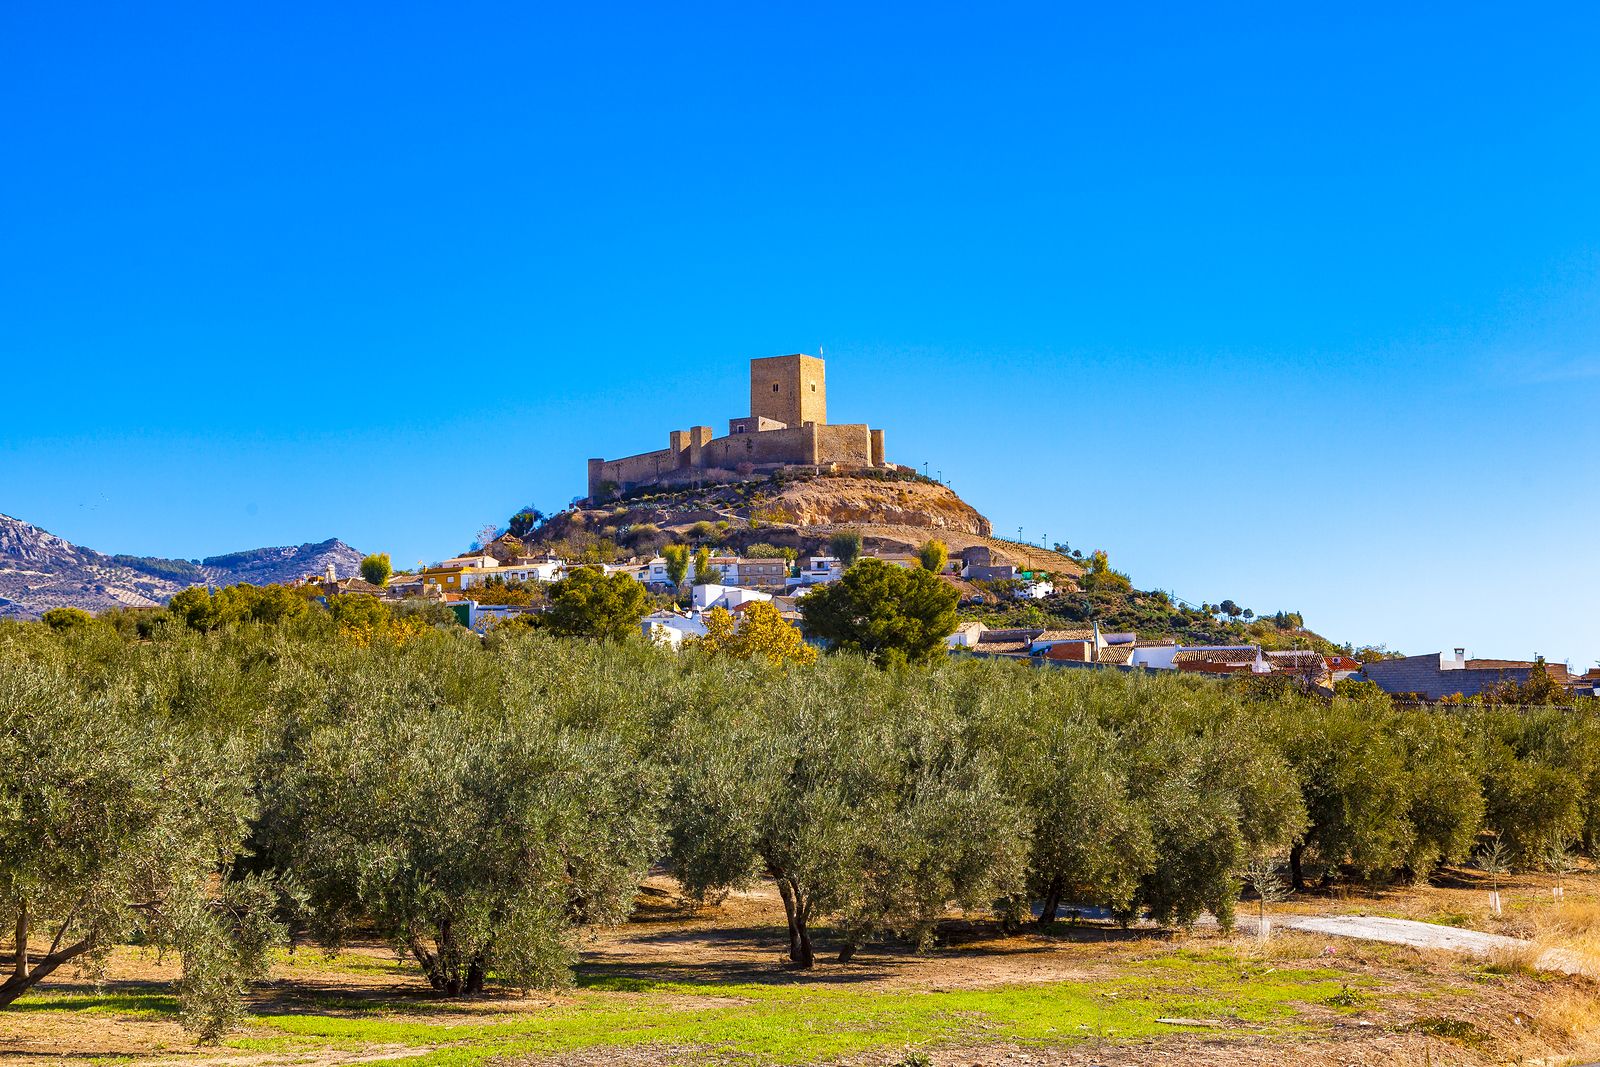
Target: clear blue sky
column 1301, row 309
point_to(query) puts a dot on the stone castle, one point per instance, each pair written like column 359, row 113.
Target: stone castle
column 787, row 427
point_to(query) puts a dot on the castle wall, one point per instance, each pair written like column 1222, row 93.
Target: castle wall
column 787, row 426
column 849, row 445
column 633, row 470
column 792, row 445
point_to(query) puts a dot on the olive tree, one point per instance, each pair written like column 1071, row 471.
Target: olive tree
column 1215, row 789
column 1091, row 840
column 120, row 819
column 1387, row 792
column 858, row 805
column 472, row 821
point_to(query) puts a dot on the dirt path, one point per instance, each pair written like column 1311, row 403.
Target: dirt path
column 1434, row 936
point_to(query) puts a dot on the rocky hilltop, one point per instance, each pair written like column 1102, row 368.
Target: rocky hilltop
column 894, row 512
column 39, row 571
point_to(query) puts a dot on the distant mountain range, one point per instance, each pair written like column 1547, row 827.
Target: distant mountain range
column 39, row 571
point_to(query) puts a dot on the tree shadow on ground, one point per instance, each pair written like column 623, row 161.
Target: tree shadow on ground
column 758, row 955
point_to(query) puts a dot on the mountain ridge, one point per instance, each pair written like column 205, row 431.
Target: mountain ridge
column 40, row 570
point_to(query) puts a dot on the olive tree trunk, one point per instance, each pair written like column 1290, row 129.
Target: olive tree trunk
column 797, row 908
column 26, row 974
column 1052, row 902
column 19, row 967
column 447, row 970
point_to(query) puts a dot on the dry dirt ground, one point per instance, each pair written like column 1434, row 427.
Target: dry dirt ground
column 686, row 985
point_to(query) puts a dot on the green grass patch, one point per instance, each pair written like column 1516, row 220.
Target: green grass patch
column 797, row 1023
column 129, row 1005
column 315, row 960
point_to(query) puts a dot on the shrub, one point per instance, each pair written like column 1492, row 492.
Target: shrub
column 66, row 618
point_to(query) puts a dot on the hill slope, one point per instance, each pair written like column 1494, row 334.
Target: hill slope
column 39, row 571
column 892, row 512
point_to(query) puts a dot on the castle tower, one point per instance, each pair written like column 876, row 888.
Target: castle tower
column 789, row 389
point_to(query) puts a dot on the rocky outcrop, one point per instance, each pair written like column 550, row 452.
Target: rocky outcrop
column 846, row 501
column 39, row 571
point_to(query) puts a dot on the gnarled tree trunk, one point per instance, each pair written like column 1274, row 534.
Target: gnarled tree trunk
column 797, row 908
column 1052, row 902
column 26, row 973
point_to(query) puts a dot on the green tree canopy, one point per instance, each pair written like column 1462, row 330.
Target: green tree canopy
column 858, row 803
column 846, row 546
column 704, row 572
column 677, row 559
column 933, row 554
column 590, row 603
column 887, row 613
column 475, row 822
column 524, row 522
column 66, row 618
column 117, row 817
column 376, row 568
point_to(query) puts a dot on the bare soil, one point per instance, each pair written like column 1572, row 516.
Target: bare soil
column 1435, row 1007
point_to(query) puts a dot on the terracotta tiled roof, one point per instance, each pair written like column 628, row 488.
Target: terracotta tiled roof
column 1065, row 635
column 1301, row 662
column 1009, row 635
column 1116, row 654
column 1002, row 648
column 1217, row 654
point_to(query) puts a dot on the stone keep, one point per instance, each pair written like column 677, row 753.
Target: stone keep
column 792, row 390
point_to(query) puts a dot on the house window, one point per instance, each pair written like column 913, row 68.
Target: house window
column 774, row 387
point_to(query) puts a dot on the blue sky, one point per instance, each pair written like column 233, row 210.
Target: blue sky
column 1296, row 308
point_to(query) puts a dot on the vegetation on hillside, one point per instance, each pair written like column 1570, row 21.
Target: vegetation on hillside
column 1099, row 593
column 733, row 517
column 1107, row 596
